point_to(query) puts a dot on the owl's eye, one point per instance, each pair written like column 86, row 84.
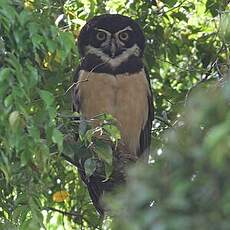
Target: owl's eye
column 100, row 36
column 124, row 36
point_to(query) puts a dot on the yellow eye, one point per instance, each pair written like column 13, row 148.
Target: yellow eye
column 124, row 36
column 100, row 36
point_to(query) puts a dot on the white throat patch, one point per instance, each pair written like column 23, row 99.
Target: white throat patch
column 114, row 62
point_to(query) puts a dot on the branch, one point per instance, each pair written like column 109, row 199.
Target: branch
column 73, row 214
column 163, row 120
column 74, row 116
column 183, row 69
column 178, row 6
column 69, row 159
column 206, row 76
column 87, row 77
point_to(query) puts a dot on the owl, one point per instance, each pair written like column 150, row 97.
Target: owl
column 112, row 79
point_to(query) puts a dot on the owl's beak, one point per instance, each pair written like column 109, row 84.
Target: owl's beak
column 113, row 47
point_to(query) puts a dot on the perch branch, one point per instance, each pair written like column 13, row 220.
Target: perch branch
column 73, row 214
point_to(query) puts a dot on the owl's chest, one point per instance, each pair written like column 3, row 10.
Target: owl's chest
column 105, row 93
column 124, row 96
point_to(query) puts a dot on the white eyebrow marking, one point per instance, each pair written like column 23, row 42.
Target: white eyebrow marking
column 126, row 28
column 105, row 31
column 108, row 33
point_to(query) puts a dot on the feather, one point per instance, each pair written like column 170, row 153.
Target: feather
column 133, row 110
column 145, row 137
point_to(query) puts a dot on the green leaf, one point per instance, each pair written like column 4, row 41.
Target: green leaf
column 34, row 77
column 31, row 224
column 20, row 212
column 170, row 3
column 215, row 135
column 26, row 156
column 224, row 31
column 88, row 136
column 35, row 133
column 108, row 170
column 8, row 226
column 5, row 167
column 75, row 150
column 8, row 100
column 104, row 151
column 67, row 43
column 90, row 166
column 52, row 45
column 212, row 6
column 24, row 17
column 37, row 40
column 82, row 129
column 5, row 74
column 179, row 15
column 113, row 132
column 14, row 118
column 105, row 117
column 33, row 28
column 47, row 97
column 57, row 138
column 41, row 155
column 21, row 199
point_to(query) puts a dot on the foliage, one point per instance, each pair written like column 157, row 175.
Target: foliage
column 187, row 186
column 186, row 48
column 36, row 68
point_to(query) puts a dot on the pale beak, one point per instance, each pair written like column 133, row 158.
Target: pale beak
column 113, row 47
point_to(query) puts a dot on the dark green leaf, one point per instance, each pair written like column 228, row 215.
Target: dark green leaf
column 104, row 151
column 90, row 166
column 47, row 97
column 57, row 137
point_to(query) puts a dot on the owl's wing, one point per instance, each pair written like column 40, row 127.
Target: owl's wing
column 94, row 183
column 75, row 95
column 145, row 137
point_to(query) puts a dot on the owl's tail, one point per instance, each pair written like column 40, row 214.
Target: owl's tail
column 96, row 185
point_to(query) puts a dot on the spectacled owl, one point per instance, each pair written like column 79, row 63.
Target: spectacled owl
column 112, row 78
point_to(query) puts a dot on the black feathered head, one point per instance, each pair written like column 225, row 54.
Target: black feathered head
column 111, row 36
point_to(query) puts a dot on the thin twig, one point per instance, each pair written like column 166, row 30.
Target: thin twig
column 206, row 76
column 178, row 6
column 87, row 78
column 220, row 75
column 74, row 214
column 68, row 116
column 189, row 69
column 75, row 84
column 163, row 120
column 69, row 159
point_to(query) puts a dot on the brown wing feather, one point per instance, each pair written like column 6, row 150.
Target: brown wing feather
column 94, row 183
column 75, row 95
column 145, row 137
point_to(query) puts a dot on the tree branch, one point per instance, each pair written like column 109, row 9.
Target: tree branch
column 206, row 76
column 171, row 9
column 73, row 214
column 163, row 120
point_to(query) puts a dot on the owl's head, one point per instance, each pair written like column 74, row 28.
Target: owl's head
column 110, row 37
